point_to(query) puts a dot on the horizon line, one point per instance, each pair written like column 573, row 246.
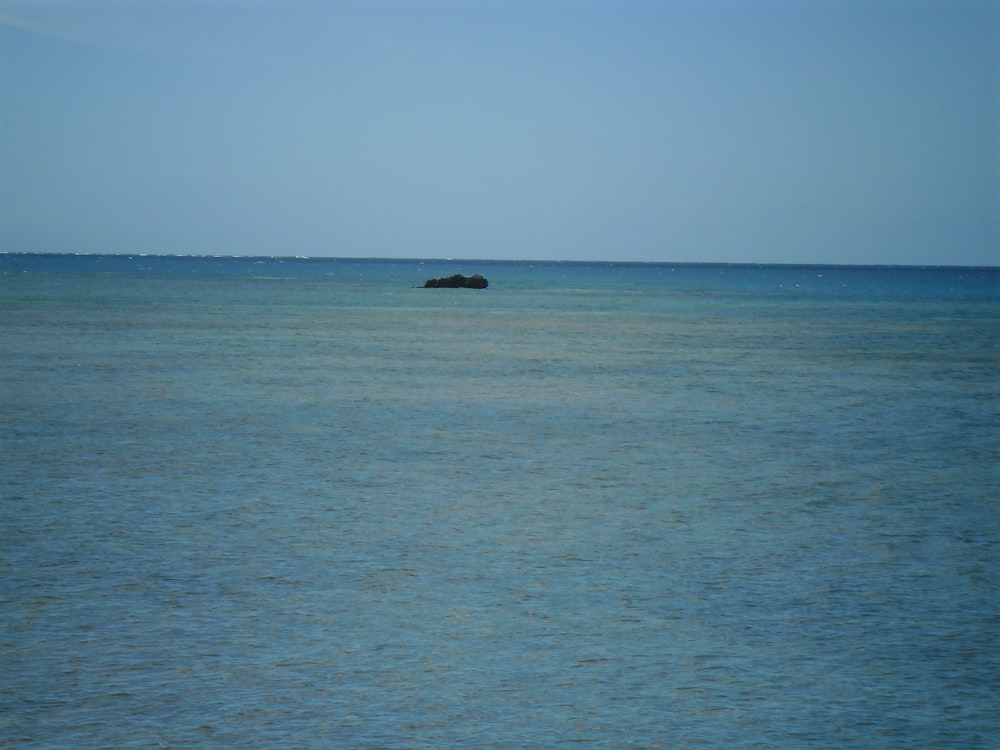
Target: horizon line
column 494, row 260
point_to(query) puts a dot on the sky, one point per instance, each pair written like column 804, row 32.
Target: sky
column 762, row 131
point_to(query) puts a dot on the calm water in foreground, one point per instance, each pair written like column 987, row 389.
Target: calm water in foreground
column 301, row 504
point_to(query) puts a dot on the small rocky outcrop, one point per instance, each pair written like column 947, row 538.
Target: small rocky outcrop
column 458, row 281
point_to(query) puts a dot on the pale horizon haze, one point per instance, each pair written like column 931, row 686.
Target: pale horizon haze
column 809, row 131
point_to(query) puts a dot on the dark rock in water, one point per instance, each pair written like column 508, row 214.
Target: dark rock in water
column 458, row 281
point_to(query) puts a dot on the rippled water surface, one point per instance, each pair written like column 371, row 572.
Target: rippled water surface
column 303, row 504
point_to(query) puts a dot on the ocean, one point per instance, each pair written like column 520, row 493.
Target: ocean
column 304, row 503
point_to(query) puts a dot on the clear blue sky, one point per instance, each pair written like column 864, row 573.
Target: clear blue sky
column 809, row 131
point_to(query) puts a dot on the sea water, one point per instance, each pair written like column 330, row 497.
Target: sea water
column 303, row 503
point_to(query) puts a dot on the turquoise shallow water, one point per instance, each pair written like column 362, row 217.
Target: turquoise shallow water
column 303, row 504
